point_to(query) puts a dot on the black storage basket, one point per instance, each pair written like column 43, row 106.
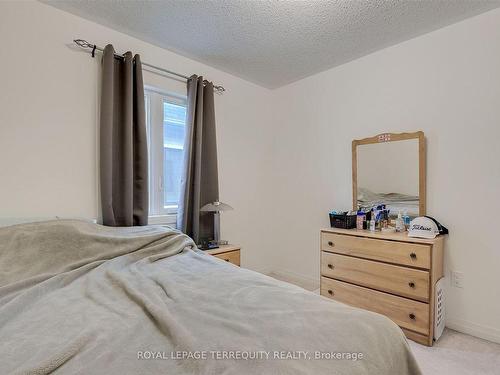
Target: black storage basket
column 343, row 221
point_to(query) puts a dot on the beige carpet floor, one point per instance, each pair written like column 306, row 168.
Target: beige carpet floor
column 454, row 353
column 458, row 354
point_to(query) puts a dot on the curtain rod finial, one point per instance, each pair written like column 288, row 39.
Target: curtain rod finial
column 219, row 89
column 83, row 43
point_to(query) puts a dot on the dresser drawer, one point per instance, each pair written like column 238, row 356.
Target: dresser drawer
column 408, row 254
column 231, row 257
column 406, row 313
column 398, row 280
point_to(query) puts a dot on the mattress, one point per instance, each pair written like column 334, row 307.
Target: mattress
column 80, row 298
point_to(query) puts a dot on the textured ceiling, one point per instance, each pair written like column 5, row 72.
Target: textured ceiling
column 273, row 42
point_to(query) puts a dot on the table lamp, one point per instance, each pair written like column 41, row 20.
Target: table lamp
column 216, row 207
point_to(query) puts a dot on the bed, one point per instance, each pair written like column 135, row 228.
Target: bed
column 80, row 298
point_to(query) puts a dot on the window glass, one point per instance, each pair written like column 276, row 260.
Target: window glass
column 166, row 126
column 174, row 132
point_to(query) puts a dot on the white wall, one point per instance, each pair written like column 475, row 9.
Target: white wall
column 48, row 122
column 446, row 83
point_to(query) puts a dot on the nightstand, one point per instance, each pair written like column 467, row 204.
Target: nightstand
column 229, row 253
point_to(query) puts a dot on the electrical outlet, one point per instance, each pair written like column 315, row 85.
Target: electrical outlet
column 457, row 279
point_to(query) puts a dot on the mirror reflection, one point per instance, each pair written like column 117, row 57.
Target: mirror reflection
column 388, row 173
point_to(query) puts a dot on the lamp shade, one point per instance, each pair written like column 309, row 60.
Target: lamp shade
column 216, row 207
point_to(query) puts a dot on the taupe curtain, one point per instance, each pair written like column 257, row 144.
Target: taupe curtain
column 199, row 184
column 123, row 141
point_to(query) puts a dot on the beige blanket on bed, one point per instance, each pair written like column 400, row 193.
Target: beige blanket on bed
column 79, row 298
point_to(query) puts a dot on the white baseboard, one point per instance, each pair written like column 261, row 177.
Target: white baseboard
column 473, row 329
column 306, row 282
column 263, row 270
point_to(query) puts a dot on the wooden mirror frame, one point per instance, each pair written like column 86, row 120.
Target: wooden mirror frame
column 391, row 137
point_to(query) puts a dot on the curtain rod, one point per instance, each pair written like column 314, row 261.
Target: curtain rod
column 86, row 45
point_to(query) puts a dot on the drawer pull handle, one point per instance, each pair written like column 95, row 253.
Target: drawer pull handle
column 330, row 243
column 412, row 316
column 413, row 256
column 330, row 292
column 411, row 284
column 227, row 260
column 330, row 266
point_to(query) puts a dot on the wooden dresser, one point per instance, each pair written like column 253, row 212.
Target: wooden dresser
column 229, row 253
column 388, row 273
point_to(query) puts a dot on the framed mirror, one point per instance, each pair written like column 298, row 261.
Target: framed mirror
column 390, row 168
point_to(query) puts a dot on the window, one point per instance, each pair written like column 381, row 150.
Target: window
column 166, row 124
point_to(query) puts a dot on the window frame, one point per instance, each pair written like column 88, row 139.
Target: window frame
column 154, row 102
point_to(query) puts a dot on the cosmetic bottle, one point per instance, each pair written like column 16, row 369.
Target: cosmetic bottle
column 372, row 221
column 359, row 219
column 399, row 223
column 385, row 219
column 406, row 220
